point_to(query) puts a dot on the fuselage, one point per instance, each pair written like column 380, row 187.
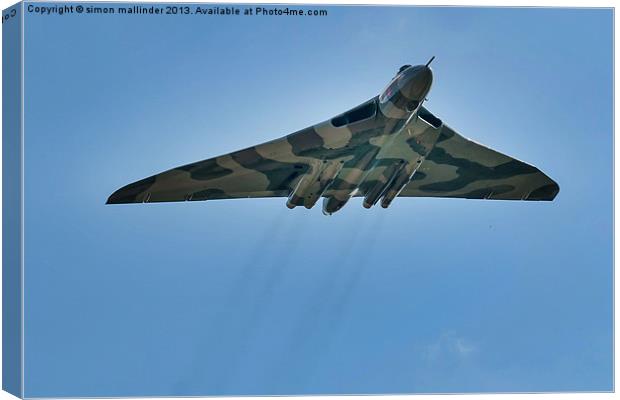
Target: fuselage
column 394, row 109
column 366, row 138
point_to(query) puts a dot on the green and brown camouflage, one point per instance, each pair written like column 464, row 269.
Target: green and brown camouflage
column 389, row 146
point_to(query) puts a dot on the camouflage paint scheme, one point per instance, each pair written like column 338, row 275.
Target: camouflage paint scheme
column 388, row 146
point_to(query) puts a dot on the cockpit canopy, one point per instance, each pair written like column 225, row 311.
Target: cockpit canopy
column 404, row 67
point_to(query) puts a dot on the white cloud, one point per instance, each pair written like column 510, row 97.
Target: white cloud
column 463, row 347
column 449, row 345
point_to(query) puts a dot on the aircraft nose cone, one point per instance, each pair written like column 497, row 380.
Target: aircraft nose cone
column 419, row 83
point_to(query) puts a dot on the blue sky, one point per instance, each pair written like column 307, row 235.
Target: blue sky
column 248, row 297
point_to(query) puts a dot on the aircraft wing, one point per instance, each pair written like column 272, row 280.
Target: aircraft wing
column 459, row 167
column 265, row 170
column 270, row 169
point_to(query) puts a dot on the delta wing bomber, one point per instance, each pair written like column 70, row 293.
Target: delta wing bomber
column 389, row 146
